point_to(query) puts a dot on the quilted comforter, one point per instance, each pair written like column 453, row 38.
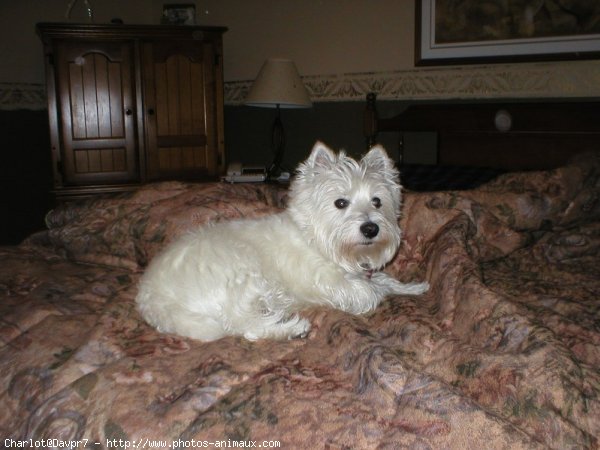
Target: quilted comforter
column 503, row 352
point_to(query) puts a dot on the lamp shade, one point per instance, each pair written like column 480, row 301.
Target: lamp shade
column 278, row 84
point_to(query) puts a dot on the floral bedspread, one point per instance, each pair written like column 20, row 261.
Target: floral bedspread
column 503, row 352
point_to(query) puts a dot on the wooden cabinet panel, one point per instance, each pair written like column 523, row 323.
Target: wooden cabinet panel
column 97, row 126
column 131, row 104
column 180, row 98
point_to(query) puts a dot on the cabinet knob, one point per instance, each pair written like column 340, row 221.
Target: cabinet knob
column 128, row 112
column 150, row 111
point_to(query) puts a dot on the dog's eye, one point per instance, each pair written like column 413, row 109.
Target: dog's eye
column 376, row 201
column 341, row 203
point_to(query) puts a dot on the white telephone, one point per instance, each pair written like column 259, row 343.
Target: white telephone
column 238, row 173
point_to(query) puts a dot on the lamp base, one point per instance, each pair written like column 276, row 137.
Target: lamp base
column 277, row 146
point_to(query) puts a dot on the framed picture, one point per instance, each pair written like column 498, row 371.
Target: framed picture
column 475, row 31
column 179, row 14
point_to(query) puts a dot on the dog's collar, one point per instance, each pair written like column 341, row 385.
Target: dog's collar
column 367, row 270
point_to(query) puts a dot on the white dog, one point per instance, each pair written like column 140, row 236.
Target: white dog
column 251, row 277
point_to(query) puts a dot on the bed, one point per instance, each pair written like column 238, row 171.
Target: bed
column 503, row 351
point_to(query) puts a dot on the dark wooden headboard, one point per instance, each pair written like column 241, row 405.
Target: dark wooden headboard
column 536, row 135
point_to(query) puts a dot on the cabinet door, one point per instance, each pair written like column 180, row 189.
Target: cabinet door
column 97, row 116
column 180, row 107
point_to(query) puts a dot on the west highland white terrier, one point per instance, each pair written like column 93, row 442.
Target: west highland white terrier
column 251, row 277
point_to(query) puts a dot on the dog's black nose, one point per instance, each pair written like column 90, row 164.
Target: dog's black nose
column 369, row 229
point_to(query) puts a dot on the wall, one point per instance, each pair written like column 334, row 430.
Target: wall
column 323, row 36
column 342, row 48
column 325, row 39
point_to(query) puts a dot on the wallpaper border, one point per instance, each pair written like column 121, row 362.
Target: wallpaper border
column 576, row 79
column 15, row 96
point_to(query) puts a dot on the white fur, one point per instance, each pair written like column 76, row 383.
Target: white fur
column 251, row 277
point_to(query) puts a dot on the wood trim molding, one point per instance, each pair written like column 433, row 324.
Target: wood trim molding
column 118, row 31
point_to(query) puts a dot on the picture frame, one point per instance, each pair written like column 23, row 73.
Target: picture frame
column 500, row 35
column 179, row 14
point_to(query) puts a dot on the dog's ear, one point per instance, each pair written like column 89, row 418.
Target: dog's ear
column 321, row 156
column 378, row 160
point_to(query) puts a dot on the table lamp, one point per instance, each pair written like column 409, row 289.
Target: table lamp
column 278, row 85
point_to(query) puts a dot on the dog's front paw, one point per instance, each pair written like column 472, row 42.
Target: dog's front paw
column 411, row 288
column 393, row 286
column 300, row 330
column 415, row 288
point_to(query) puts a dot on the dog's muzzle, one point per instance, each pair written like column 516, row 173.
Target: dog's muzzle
column 369, row 229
